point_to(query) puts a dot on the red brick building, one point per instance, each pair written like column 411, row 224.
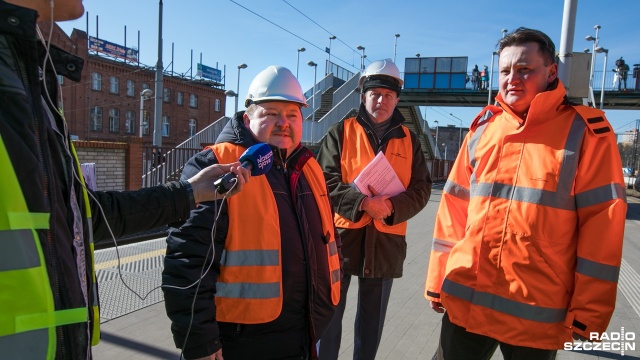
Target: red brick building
column 105, row 105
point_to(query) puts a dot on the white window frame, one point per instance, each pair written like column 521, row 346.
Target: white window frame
column 96, row 118
column 114, row 120
column 96, row 81
column 166, row 125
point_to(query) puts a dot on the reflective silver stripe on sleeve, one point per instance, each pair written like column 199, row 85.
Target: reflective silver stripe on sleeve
column 597, row 270
column 504, row 305
column 600, row 195
column 456, row 190
column 248, row 290
column 335, row 276
column 26, row 345
column 18, row 250
column 250, row 258
column 333, row 248
column 443, row 246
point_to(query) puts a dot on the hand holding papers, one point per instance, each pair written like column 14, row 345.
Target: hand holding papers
column 379, row 175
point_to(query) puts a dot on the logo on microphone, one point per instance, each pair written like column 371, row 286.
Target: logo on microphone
column 265, row 160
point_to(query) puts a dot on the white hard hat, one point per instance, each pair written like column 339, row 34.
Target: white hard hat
column 381, row 70
column 275, row 83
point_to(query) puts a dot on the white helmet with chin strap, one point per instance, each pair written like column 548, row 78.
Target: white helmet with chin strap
column 381, row 73
column 275, row 83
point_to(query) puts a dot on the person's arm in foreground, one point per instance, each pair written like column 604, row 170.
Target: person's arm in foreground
column 129, row 212
column 601, row 206
column 450, row 225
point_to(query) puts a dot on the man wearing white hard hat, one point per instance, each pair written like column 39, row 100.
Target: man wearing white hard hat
column 275, row 279
column 372, row 226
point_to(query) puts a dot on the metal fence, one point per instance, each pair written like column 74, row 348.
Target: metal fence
column 162, row 164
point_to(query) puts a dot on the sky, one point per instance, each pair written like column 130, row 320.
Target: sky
column 261, row 33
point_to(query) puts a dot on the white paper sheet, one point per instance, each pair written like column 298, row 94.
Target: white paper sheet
column 381, row 176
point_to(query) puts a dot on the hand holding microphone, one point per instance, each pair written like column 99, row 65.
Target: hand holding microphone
column 257, row 159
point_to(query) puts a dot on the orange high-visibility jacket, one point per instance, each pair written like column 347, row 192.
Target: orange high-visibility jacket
column 527, row 242
column 357, row 154
column 249, row 288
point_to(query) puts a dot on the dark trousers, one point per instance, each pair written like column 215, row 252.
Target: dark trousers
column 458, row 344
column 373, row 298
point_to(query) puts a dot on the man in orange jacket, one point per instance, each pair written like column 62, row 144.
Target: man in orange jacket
column 527, row 243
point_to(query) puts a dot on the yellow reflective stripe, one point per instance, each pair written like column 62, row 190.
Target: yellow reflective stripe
column 30, row 322
column 27, row 220
column 95, row 338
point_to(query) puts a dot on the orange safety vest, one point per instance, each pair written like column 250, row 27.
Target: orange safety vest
column 358, row 153
column 528, row 236
column 249, row 288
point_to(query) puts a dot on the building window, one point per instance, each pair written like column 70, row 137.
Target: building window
column 166, row 125
column 130, row 88
column 193, row 128
column 217, row 105
column 60, row 79
column 96, row 81
column 114, row 120
column 145, row 123
column 96, row 118
column 145, row 86
column 166, row 95
column 114, row 84
column 193, row 100
column 130, row 122
column 180, row 98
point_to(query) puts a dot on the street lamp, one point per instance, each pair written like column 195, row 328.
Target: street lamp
column 298, row 62
column 332, row 37
column 360, row 47
column 395, row 44
column 460, row 138
column 145, row 94
column 600, row 49
column 231, row 93
column 313, row 99
column 593, row 54
column 504, row 33
column 241, row 66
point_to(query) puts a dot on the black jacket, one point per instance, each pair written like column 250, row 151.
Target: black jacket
column 368, row 252
column 33, row 134
column 305, row 295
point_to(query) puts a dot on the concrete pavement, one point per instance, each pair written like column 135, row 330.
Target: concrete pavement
column 411, row 329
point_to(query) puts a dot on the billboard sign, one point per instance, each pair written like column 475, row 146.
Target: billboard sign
column 209, row 73
column 112, row 49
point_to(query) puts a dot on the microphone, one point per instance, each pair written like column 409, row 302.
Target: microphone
column 257, row 158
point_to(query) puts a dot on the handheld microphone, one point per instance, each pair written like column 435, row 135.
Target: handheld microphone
column 257, row 158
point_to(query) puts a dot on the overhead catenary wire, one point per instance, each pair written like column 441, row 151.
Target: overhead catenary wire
column 320, row 26
column 290, row 32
